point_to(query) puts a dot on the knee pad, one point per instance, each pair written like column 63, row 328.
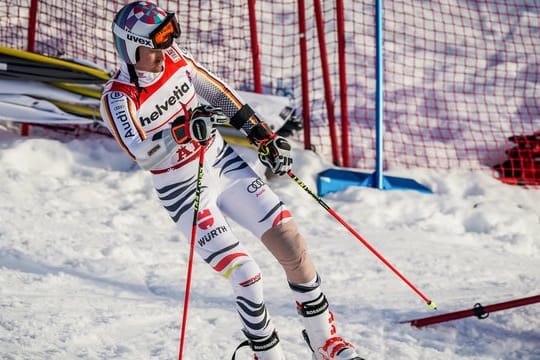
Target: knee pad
column 290, row 250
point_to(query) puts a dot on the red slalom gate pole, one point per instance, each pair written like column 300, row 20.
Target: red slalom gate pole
column 198, row 189
column 428, row 302
column 481, row 312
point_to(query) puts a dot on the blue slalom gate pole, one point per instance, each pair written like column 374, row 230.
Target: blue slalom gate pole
column 379, row 95
column 336, row 179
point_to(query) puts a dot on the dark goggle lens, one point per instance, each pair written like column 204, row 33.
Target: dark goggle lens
column 165, row 34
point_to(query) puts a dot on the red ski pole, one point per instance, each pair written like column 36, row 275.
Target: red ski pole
column 198, row 188
column 429, row 303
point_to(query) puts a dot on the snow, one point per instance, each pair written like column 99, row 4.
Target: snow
column 91, row 266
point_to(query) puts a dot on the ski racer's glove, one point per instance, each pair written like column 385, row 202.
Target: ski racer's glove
column 273, row 150
column 200, row 124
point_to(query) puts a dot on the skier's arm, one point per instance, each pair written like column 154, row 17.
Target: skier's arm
column 274, row 151
column 148, row 151
column 118, row 111
column 211, row 88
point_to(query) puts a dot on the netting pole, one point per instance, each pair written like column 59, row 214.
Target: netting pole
column 327, row 84
column 32, row 19
column 343, row 84
column 30, row 46
column 255, row 51
column 304, row 74
column 378, row 176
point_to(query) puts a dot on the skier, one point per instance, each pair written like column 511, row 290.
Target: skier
column 162, row 107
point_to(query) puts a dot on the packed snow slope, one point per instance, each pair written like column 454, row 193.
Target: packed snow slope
column 91, row 267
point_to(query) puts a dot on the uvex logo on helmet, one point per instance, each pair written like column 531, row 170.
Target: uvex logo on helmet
column 140, row 40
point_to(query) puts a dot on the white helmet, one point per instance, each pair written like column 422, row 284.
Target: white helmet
column 143, row 23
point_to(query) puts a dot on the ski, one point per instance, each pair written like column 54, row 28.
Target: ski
column 24, row 65
column 479, row 311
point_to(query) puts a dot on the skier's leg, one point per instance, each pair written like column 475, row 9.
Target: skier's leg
column 232, row 261
column 269, row 219
column 289, row 247
column 216, row 245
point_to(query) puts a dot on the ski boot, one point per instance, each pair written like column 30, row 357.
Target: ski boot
column 264, row 348
column 320, row 332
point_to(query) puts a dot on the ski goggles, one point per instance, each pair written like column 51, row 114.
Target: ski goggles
column 161, row 37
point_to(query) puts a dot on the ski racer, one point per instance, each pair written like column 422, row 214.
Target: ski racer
column 162, row 107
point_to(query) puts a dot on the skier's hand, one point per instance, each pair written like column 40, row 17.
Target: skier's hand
column 200, row 126
column 275, row 153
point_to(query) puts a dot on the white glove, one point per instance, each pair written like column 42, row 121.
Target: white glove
column 201, row 125
column 275, row 153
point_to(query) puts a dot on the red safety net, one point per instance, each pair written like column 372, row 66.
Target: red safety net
column 460, row 77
